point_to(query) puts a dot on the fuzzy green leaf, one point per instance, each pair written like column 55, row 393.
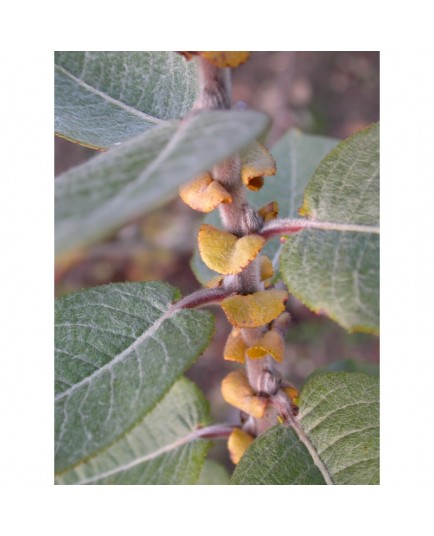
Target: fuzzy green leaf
column 277, row 458
column 339, row 414
column 105, row 98
column 159, row 449
column 337, row 272
column 119, row 348
column 345, row 186
column 103, row 194
column 296, row 156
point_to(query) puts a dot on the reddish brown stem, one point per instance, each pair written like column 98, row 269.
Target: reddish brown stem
column 203, row 297
column 240, row 219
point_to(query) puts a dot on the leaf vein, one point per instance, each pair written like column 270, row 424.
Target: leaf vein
column 360, row 430
column 107, row 98
column 142, row 459
column 119, row 357
column 325, row 417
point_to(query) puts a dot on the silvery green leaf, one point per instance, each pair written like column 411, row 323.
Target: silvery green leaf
column 119, row 348
column 105, row 98
column 125, row 182
column 339, row 416
column 337, row 272
column 160, row 448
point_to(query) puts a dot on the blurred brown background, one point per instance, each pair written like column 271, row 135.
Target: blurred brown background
column 329, row 93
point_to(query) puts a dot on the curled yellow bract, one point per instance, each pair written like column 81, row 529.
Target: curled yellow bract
column 255, row 309
column 224, row 252
column 235, row 347
column 292, row 393
column 256, row 162
column 237, row 391
column 270, row 211
column 220, row 59
column 214, row 282
column 265, row 268
column 238, row 443
column 204, row 194
column 226, row 59
column 271, row 343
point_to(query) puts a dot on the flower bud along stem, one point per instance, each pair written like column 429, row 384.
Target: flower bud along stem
column 240, row 219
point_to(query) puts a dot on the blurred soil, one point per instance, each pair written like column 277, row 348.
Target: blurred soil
column 329, row 93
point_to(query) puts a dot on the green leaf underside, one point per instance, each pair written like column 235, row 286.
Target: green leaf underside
column 339, row 413
column 345, row 187
column 111, row 189
column 159, row 449
column 336, row 272
column 119, row 348
column 296, row 156
column 213, row 473
column 105, row 98
column 277, row 457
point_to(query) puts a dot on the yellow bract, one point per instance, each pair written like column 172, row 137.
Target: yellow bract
column 224, row 252
column 255, row 309
column 188, row 55
column 292, row 393
column 236, row 391
column 251, row 180
column 256, row 162
column 204, row 194
column 226, row 59
column 220, row 59
column 238, row 443
column 235, row 347
column 265, row 267
column 271, row 344
column 304, row 210
column 214, row 282
column 270, row 211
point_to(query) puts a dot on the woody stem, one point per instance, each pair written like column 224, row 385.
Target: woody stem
column 238, row 218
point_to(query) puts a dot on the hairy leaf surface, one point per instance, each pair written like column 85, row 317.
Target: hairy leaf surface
column 119, row 348
column 112, row 188
column 159, row 449
column 105, row 98
column 339, row 414
column 296, row 155
column 337, row 272
column 277, row 458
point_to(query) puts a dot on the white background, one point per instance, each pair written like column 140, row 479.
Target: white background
column 30, row 502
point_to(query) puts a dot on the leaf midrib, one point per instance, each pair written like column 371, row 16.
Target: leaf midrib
column 171, row 311
column 111, row 100
column 194, row 435
column 316, row 458
column 179, row 442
